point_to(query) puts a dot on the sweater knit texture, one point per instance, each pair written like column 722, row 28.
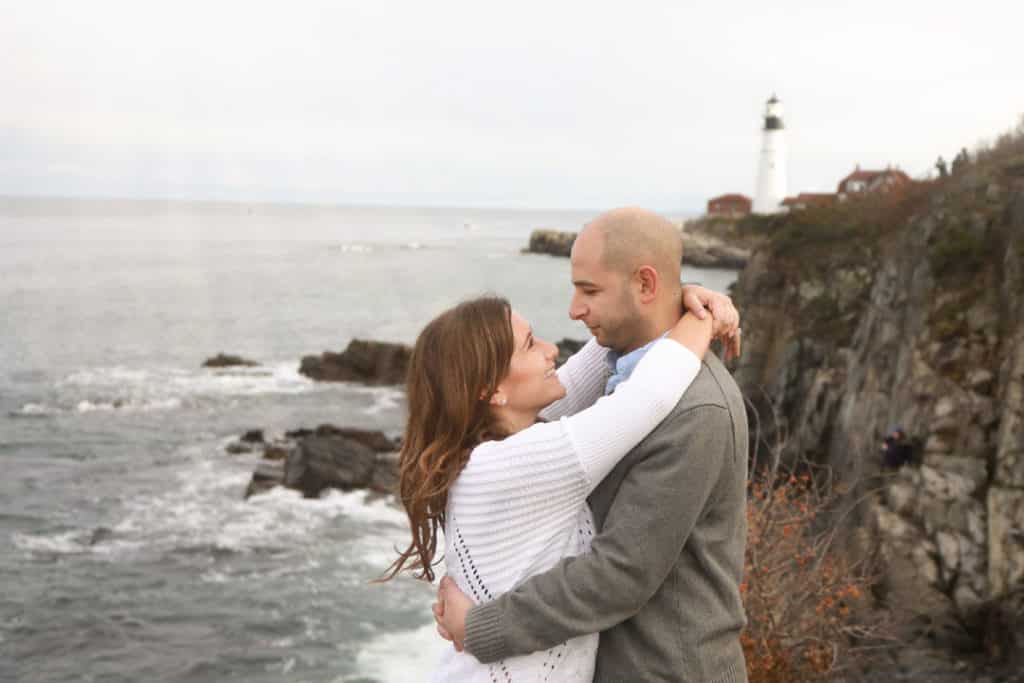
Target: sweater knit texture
column 519, row 505
column 661, row 583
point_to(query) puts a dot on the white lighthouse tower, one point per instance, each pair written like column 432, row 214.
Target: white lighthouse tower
column 771, row 171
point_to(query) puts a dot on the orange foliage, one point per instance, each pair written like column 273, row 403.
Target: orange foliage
column 801, row 596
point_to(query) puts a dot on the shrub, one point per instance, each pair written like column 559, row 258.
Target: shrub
column 806, row 602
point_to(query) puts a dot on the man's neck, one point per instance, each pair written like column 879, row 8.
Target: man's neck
column 650, row 328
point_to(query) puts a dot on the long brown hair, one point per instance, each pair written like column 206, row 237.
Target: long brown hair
column 456, row 365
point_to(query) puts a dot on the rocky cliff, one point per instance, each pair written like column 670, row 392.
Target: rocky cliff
column 907, row 311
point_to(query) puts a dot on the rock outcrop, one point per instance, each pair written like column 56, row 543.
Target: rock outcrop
column 906, row 312
column 328, row 457
column 551, row 242
column 225, row 360
column 368, row 362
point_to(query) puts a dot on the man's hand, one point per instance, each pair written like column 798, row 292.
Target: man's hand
column 699, row 300
column 450, row 612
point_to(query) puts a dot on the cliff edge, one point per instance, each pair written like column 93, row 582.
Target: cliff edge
column 907, row 310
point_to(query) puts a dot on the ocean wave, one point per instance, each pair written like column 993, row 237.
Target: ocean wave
column 354, row 248
column 118, row 389
column 381, row 398
column 402, row 656
column 205, row 514
column 34, row 410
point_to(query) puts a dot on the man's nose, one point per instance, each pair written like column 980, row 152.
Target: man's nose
column 552, row 351
column 576, row 310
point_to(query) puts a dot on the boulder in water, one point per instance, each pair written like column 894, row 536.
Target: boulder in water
column 552, row 242
column 224, row 360
column 312, row 460
column 369, row 362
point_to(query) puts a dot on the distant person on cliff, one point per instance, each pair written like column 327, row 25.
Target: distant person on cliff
column 656, row 569
column 897, row 450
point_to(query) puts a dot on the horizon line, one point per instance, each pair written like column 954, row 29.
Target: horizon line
column 373, row 204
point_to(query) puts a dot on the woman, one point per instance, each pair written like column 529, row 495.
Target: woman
column 510, row 489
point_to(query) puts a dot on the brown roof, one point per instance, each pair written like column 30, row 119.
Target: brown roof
column 868, row 176
column 731, row 197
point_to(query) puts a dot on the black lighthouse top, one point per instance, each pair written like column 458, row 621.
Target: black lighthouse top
column 773, row 114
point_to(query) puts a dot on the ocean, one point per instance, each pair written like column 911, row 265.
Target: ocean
column 127, row 552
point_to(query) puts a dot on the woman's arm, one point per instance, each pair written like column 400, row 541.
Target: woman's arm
column 615, row 424
column 571, row 456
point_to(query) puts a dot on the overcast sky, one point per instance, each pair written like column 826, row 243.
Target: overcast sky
column 546, row 104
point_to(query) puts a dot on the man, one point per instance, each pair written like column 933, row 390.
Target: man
column 661, row 584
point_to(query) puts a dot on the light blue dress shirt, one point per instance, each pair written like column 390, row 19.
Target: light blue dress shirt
column 621, row 365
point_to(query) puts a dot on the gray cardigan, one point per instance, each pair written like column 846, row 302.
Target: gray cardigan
column 662, row 582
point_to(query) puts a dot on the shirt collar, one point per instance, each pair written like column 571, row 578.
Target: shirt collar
column 621, row 365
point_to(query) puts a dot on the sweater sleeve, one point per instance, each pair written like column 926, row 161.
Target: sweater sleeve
column 584, row 377
column 652, row 515
column 595, row 439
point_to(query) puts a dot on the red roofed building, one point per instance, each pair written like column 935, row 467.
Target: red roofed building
column 808, row 199
column 861, row 182
column 729, row 206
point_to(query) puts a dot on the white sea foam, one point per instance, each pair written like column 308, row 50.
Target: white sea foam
column 65, row 543
column 118, row 389
column 34, row 410
column 380, row 398
column 400, row 657
column 206, row 510
column 354, row 248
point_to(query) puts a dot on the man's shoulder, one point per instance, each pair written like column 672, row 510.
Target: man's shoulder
column 713, row 387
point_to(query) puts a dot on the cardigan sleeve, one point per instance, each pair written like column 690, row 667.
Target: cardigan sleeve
column 584, row 377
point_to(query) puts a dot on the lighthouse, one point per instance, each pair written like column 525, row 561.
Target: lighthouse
column 771, row 171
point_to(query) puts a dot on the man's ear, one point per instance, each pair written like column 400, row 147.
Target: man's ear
column 647, row 279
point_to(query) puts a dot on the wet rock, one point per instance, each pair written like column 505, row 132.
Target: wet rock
column 100, row 534
column 385, row 474
column 267, row 475
column 252, row 436
column 239, row 448
column 551, row 242
column 373, row 439
column 277, row 452
column 321, row 463
column 368, row 362
column 223, row 360
column 313, row 460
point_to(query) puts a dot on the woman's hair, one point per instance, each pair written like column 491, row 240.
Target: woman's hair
column 456, row 365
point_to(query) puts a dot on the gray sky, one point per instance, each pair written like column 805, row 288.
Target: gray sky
column 525, row 104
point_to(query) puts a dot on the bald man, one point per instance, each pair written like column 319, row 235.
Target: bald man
column 661, row 583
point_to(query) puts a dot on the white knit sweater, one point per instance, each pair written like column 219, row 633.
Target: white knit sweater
column 519, row 506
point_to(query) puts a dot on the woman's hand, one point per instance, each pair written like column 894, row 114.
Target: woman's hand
column 699, row 300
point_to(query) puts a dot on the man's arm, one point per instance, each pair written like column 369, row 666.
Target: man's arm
column 654, row 511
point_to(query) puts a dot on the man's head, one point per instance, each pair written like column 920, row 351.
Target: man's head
column 625, row 276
